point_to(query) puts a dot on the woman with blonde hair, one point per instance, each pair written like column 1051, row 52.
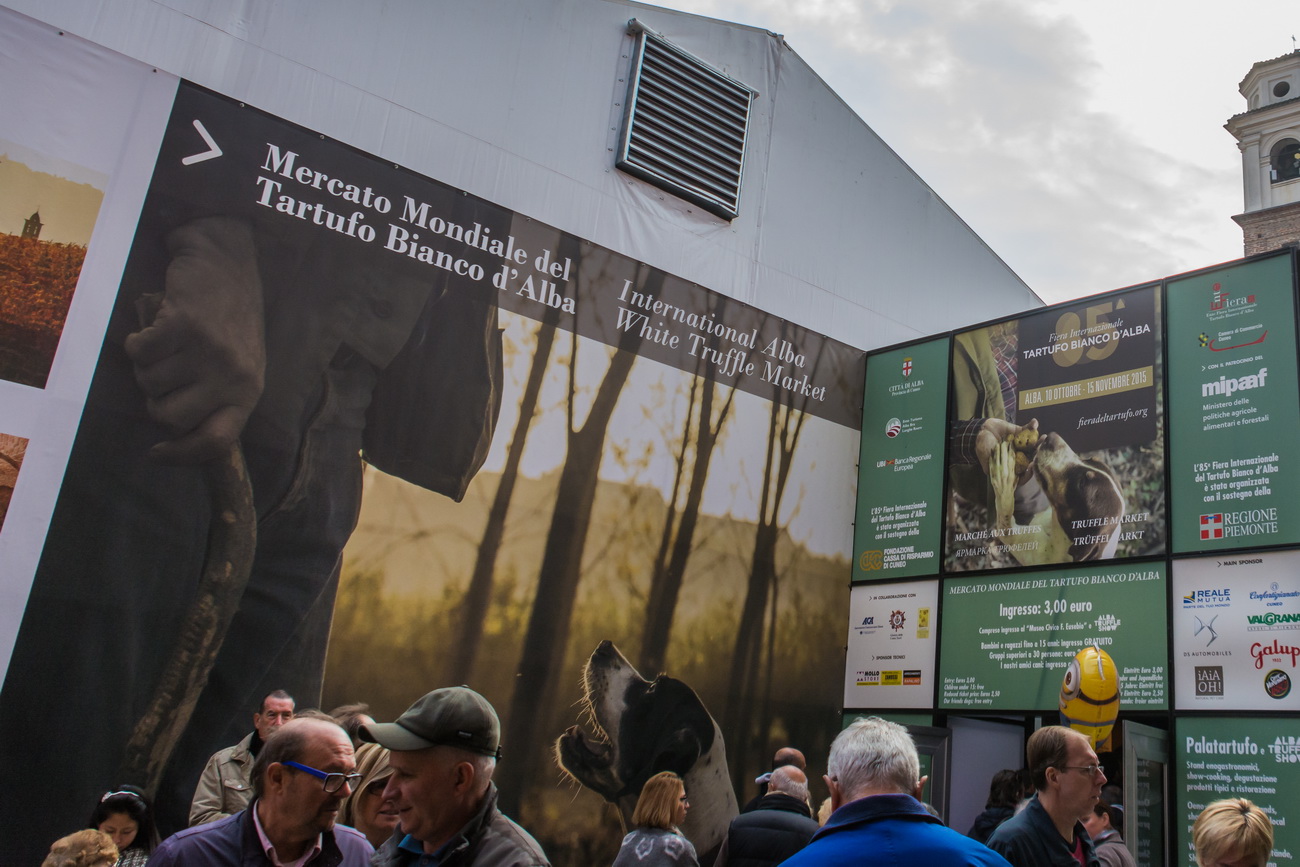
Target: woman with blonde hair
column 656, row 841
column 88, row 848
column 1232, row 833
column 365, row 809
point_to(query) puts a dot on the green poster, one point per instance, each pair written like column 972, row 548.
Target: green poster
column 1256, row 758
column 1008, row 642
column 1234, row 415
column 900, row 470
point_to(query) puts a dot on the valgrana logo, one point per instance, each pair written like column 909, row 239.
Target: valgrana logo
column 1226, row 386
column 1272, row 617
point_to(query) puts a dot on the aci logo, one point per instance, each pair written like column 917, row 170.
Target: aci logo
column 1212, row 526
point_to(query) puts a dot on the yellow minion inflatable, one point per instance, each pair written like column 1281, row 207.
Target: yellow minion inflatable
column 1090, row 696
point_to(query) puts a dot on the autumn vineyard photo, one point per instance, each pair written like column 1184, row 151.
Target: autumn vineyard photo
column 37, row 279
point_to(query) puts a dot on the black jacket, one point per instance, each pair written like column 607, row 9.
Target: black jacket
column 489, row 839
column 766, row 836
column 988, row 821
column 1030, row 839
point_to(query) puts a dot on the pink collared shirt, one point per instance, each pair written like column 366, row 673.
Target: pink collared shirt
column 269, row 849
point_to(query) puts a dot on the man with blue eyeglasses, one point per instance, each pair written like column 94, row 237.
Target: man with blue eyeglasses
column 301, row 776
column 1047, row 832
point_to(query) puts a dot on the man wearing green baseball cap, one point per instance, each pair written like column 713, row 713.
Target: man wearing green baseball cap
column 444, row 750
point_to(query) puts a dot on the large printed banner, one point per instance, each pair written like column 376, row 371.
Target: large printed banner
column 1236, row 625
column 538, row 453
column 1057, row 450
column 1245, row 757
column 900, row 511
column 1234, row 411
column 1008, row 641
column 892, row 634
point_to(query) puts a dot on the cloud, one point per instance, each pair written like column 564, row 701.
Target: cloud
column 995, row 105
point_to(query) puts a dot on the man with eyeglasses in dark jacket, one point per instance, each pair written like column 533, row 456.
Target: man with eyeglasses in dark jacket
column 300, row 778
column 1047, row 832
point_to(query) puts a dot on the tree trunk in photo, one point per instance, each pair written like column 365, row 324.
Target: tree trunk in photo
column 784, row 427
column 474, row 607
column 547, row 636
column 679, row 532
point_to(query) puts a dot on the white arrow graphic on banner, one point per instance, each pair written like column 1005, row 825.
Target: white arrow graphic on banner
column 206, row 155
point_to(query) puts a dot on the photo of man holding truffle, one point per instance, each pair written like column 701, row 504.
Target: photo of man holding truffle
column 1057, row 437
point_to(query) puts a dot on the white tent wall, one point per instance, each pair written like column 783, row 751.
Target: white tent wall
column 520, row 103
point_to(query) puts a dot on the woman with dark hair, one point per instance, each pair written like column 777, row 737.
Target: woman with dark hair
column 1103, row 827
column 1004, row 794
column 127, row 817
column 655, row 841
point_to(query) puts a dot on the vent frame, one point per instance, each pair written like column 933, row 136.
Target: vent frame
column 685, row 124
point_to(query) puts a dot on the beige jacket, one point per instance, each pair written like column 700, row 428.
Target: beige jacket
column 224, row 788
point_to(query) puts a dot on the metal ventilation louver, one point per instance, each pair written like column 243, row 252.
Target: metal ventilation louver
column 684, row 125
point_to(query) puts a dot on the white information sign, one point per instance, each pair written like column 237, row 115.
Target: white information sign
column 892, row 629
column 1236, row 625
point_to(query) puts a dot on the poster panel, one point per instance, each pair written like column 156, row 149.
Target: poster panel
column 1057, row 445
column 1234, row 457
column 79, row 129
column 900, row 467
column 892, row 632
column 1237, row 757
column 1008, row 641
column 571, row 459
column 1236, row 625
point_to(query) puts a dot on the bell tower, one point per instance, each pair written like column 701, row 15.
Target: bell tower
column 1268, row 135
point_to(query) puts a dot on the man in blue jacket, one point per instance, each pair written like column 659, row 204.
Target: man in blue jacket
column 874, row 780
column 302, row 774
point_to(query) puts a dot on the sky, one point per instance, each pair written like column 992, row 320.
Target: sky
column 1083, row 142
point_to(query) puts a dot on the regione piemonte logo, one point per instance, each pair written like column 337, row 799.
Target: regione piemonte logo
column 1212, row 526
column 907, row 367
column 893, row 427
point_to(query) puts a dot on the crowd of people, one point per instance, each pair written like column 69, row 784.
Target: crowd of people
column 310, row 789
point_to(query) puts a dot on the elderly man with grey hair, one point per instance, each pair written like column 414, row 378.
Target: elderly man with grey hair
column 874, row 780
column 779, row 826
column 443, row 752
